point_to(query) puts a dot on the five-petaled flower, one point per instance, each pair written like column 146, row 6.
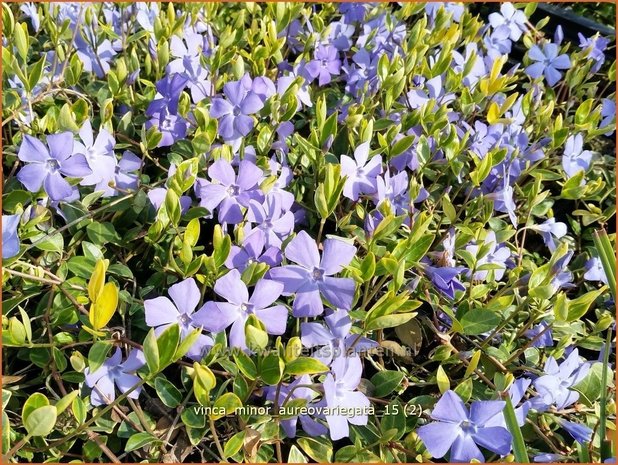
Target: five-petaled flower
column 312, row 276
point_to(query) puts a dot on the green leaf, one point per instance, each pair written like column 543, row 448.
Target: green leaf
column 401, row 145
column 591, row 387
column 172, row 206
column 272, row 369
column 36, row 72
column 228, row 402
column 295, row 455
column 389, row 321
column 151, row 352
column 186, row 344
column 579, row 307
column 386, row 382
column 519, row 446
column 167, row 392
column 234, row 444
column 97, row 354
column 245, row 364
column 21, row 41
column 319, row 450
column 167, row 343
column 67, row 400
column 102, row 233
column 35, row 401
column 139, row 440
column 41, row 421
column 305, row 366
column 478, row 321
column 52, row 243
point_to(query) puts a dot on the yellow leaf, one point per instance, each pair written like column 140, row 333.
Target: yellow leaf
column 95, row 286
column 102, row 310
column 442, row 378
column 493, row 114
column 204, row 377
column 474, row 362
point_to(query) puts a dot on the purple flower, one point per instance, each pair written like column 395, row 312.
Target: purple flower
column 46, row 167
column 293, row 391
column 608, row 113
column 113, row 372
column 581, row 433
column 445, row 279
column 361, row 173
column 172, row 127
column 353, row 12
column 96, row 61
column 334, row 339
column 574, row 158
column 186, row 49
column 541, row 335
column 146, row 15
column 233, row 112
column 99, row 154
column 284, row 197
column 263, row 86
column 302, row 94
column 271, row 222
column 394, row 189
column 168, row 95
column 456, row 9
column 511, row 19
column 312, row 276
column 517, row 391
column 551, row 230
column 595, row 271
column 418, row 97
column 596, row 47
column 340, row 35
column 125, row 176
column 503, row 198
column 548, row 62
column 343, row 399
column 197, row 80
column 461, row 63
column 30, row 11
column 325, row 63
column 10, row 239
column 548, row 458
column 462, row 431
column 216, row 316
column 497, row 44
column 252, row 251
column 162, row 312
column 361, row 72
column 496, row 255
column 554, row 387
column 230, row 192
column 562, row 277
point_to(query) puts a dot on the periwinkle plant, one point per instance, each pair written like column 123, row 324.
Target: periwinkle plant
column 273, row 232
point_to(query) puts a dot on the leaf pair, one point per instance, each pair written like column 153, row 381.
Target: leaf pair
column 103, row 297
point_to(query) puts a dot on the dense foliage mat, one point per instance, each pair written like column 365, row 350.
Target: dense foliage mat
column 305, row 232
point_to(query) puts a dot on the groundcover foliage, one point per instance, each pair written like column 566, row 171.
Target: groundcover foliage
column 321, row 232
